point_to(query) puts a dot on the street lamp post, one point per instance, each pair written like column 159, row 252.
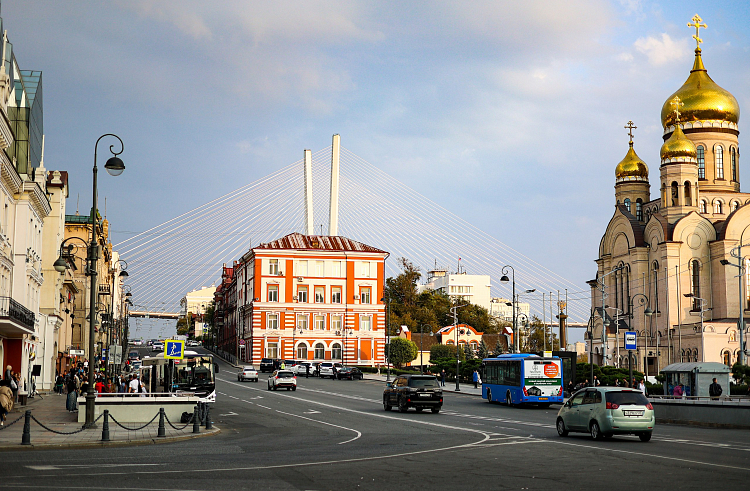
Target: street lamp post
column 643, row 300
column 524, row 324
column 504, row 279
column 114, row 167
column 702, row 309
column 737, row 253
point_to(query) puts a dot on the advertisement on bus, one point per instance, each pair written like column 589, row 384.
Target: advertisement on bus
column 542, row 378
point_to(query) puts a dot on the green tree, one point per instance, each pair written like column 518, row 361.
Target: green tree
column 182, row 326
column 498, row 348
column 468, row 353
column 482, row 351
column 535, row 342
column 401, row 351
column 439, row 351
column 741, row 373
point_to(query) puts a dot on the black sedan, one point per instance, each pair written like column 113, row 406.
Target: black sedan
column 351, row 373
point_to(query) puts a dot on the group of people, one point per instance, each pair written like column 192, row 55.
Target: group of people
column 636, row 384
column 75, row 383
column 9, row 385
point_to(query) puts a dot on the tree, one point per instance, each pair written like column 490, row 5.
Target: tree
column 535, row 342
column 482, row 351
column 498, row 347
column 468, row 353
column 439, row 351
column 401, row 351
column 182, row 326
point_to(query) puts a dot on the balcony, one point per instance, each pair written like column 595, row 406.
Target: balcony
column 15, row 319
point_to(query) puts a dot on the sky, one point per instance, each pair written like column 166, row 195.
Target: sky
column 508, row 114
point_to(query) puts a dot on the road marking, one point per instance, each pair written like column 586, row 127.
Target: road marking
column 359, row 434
column 57, row 467
column 264, row 407
column 230, row 413
column 312, row 411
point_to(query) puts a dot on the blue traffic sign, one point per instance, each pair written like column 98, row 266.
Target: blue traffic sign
column 174, row 349
column 630, row 340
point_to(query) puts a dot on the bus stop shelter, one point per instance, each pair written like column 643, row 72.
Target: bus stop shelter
column 695, row 377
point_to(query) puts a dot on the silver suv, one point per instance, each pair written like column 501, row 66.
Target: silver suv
column 281, row 379
column 326, row 369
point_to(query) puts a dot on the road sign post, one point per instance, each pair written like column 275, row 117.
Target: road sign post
column 631, row 340
column 174, row 349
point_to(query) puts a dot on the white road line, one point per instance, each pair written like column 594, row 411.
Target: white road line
column 325, row 423
column 264, row 407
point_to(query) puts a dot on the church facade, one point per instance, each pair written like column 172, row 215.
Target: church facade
column 669, row 267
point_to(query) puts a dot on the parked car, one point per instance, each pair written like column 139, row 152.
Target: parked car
column 351, row 373
column 607, row 411
column 267, row 365
column 326, row 369
column 192, row 342
column 247, row 373
column 417, row 391
column 282, row 379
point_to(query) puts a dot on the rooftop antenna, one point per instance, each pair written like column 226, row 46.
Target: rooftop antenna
column 78, row 199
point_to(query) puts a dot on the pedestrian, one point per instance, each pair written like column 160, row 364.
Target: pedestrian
column 586, row 383
column 59, row 384
column 307, row 370
column 6, row 401
column 71, row 401
column 642, row 386
column 677, row 390
column 133, row 384
column 99, row 386
column 596, row 382
column 8, row 373
column 13, row 384
column 625, row 383
column 442, row 377
column 475, row 378
column 333, row 371
column 714, row 390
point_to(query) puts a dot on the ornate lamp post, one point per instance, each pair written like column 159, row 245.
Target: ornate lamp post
column 643, row 300
column 505, row 279
column 114, row 167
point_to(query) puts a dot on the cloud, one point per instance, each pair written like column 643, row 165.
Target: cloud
column 662, row 51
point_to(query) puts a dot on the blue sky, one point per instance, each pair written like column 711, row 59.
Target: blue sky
column 517, row 108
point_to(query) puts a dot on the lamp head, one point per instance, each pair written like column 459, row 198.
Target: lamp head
column 124, row 274
column 724, row 262
column 531, row 291
column 60, row 265
column 648, row 312
column 114, row 166
column 504, row 279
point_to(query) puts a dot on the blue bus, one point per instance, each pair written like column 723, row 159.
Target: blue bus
column 522, row 378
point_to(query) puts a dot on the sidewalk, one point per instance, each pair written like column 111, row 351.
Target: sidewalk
column 52, row 413
column 466, row 388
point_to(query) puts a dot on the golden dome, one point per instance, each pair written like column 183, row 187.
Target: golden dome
column 704, row 99
column 631, row 166
column 678, row 145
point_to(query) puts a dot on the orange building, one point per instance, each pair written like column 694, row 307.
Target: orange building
column 311, row 297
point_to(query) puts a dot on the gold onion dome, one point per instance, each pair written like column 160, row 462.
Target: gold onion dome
column 678, row 145
column 631, row 166
column 704, row 99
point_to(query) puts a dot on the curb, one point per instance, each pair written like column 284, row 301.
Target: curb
column 120, row 443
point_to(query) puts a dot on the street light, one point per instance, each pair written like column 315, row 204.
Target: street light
column 525, row 325
column 643, row 300
column 454, row 309
column 703, row 343
column 737, row 253
column 505, row 279
column 421, row 336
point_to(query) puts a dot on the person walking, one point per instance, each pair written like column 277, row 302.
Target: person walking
column 307, row 370
column 475, row 378
column 14, row 385
column 59, row 384
column 442, row 377
column 714, row 390
column 8, row 373
column 333, row 371
column 71, row 401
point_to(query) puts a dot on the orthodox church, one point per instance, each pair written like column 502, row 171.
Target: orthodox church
column 669, row 267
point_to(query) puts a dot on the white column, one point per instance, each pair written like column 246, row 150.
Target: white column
column 308, row 193
column 333, row 224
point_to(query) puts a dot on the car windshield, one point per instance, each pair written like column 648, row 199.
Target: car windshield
column 629, row 398
column 249, row 369
column 285, row 374
column 423, row 382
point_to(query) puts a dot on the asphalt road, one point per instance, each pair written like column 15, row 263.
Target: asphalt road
column 336, row 435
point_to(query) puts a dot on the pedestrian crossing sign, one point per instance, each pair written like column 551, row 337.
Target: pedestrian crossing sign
column 174, row 349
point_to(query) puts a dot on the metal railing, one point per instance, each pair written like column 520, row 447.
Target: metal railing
column 735, row 398
column 13, row 310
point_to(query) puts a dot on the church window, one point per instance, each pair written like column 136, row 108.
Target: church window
column 733, row 154
column 727, row 358
column 718, row 207
column 704, row 206
column 695, row 355
column 695, row 278
column 719, row 158
column 701, row 162
column 747, row 283
column 627, row 204
column 639, row 209
column 674, row 193
column 688, row 199
column 735, row 205
column 656, row 286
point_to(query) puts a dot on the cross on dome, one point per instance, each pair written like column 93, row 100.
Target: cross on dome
column 697, row 24
column 676, row 104
column 630, row 127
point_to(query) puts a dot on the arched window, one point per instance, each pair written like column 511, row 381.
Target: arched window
column 639, row 209
column 719, row 158
column 695, row 354
column 320, row 351
column 336, row 352
column 627, row 204
column 474, row 345
column 664, row 194
column 718, row 207
column 727, row 358
column 688, row 198
column 733, row 154
column 704, row 206
column 655, row 268
column 701, row 162
column 302, row 351
column 682, row 356
column 735, row 205
column 695, row 280
column 674, row 193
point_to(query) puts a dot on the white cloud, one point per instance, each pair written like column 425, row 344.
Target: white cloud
column 624, row 57
column 662, row 51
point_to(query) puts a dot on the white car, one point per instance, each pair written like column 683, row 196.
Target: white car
column 300, row 369
column 192, row 343
column 282, row 379
column 157, row 347
column 326, row 369
column 247, row 373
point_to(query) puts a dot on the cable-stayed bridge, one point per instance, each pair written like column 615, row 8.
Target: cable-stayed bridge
column 187, row 252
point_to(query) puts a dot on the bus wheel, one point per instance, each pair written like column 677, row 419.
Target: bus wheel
column 489, row 396
column 508, row 399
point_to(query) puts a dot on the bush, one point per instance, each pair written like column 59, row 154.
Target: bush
column 606, row 374
column 738, row 390
column 401, row 351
